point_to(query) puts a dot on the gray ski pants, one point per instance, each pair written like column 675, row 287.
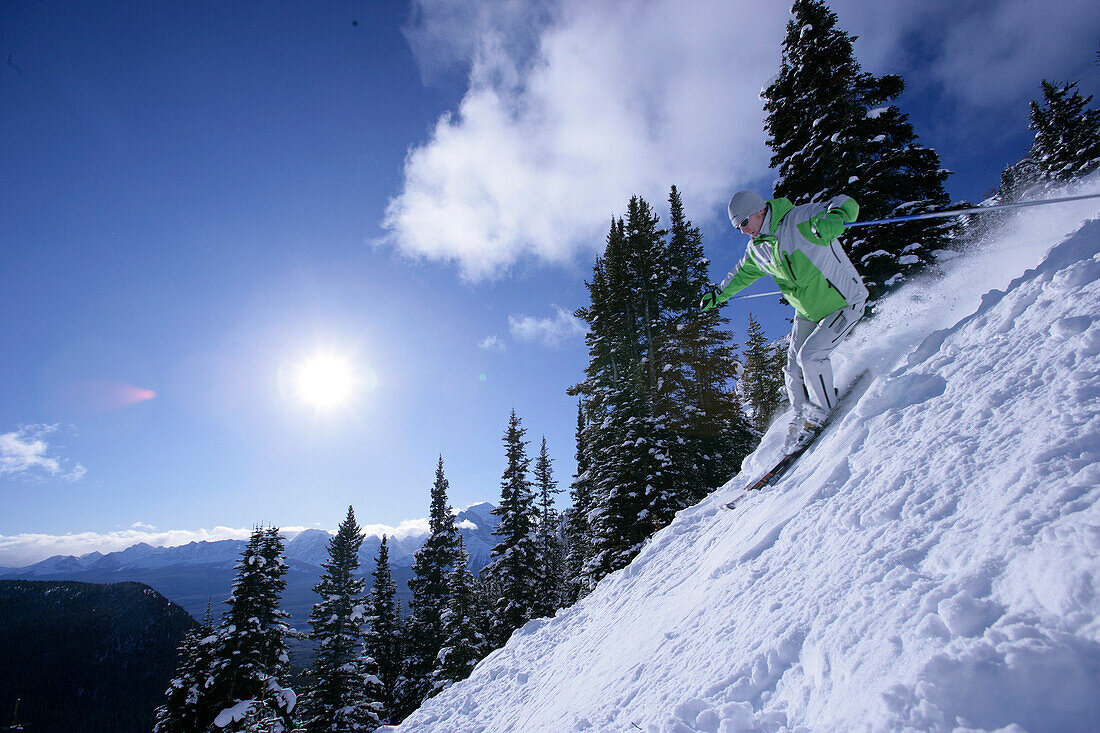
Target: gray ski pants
column 808, row 372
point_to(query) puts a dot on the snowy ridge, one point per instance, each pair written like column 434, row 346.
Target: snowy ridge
column 932, row 563
column 476, row 524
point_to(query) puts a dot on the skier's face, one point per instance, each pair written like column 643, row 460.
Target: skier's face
column 751, row 226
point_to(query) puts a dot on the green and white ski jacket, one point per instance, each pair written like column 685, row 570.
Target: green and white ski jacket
column 802, row 255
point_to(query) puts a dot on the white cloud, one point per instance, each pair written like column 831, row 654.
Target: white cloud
column 450, row 33
column 492, row 343
column 574, row 106
column 982, row 55
column 76, row 474
column 26, row 452
column 407, row 528
column 31, row 547
column 546, row 147
column 550, row 331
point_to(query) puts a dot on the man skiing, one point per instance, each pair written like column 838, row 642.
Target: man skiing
column 797, row 246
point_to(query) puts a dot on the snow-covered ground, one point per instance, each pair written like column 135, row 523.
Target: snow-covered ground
column 933, row 563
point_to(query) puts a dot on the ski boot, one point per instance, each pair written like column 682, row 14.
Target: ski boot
column 805, row 425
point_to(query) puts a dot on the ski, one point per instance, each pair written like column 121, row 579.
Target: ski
column 776, row 472
column 780, row 468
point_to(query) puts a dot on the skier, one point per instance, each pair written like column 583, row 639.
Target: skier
column 797, row 246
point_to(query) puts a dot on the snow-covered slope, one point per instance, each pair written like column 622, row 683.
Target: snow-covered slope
column 933, row 562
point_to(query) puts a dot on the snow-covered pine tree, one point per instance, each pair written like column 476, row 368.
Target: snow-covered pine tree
column 578, row 533
column 184, row 708
column 697, row 398
column 833, row 130
column 1067, row 135
column 625, row 472
column 1066, row 146
column 762, row 380
column 515, row 558
column 645, row 279
column 641, row 363
column 382, row 635
column 343, row 692
column 250, row 654
column 464, row 645
column 423, row 633
column 487, row 590
column 551, row 553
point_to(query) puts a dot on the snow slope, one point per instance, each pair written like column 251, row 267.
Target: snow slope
column 933, row 563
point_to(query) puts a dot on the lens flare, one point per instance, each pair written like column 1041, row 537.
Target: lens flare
column 102, row 395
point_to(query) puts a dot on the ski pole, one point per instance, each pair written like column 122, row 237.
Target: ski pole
column 973, row 210
column 756, row 295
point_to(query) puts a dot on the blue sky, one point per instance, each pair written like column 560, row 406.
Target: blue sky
column 199, row 197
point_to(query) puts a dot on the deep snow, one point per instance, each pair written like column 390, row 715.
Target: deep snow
column 932, row 563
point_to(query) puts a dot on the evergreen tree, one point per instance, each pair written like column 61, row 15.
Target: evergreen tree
column 1067, row 135
column 343, row 692
column 662, row 424
column 628, row 291
column 1066, row 146
column 578, row 533
column 711, row 433
column 382, row 638
column 833, row 130
column 250, row 654
column 487, row 590
column 515, row 557
column 626, row 469
column 551, row 553
column 464, row 644
column 1016, row 179
column 183, row 710
column 424, row 628
column 762, row 380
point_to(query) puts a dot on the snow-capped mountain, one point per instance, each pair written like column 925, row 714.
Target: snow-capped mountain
column 475, row 524
column 932, row 563
column 199, row 574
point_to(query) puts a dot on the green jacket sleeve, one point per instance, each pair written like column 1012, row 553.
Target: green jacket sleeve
column 745, row 274
column 828, row 225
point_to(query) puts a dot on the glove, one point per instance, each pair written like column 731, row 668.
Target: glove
column 710, row 298
column 830, row 225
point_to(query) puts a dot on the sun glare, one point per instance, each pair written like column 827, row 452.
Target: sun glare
column 325, row 381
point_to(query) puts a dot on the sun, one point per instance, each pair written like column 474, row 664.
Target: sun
column 325, row 381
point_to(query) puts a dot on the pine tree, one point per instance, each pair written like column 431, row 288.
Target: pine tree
column 343, row 692
column 711, row 433
column 628, row 292
column 551, row 553
column 515, row 557
column 382, row 638
column 833, row 130
column 1066, row 146
column 1067, row 135
column 578, row 533
column 250, row 654
column 183, row 710
column 487, row 591
column 762, row 380
column 1016, row 180
column 464, row 644
column 424, row 628
column 662, row 424
column 626, row 469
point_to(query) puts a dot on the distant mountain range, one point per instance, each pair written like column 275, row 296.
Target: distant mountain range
column 201, row 573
